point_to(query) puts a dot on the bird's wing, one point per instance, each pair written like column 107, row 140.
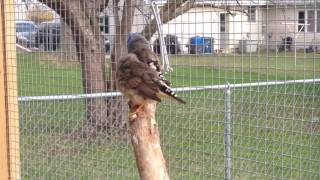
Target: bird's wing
column 147, row 56
column 135, row 75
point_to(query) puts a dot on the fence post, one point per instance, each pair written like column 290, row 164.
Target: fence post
column 9, row 120
column 4, row 156
column 227, row 133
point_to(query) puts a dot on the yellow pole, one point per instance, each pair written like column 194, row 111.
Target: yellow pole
column 4, row 163
column 9, row 116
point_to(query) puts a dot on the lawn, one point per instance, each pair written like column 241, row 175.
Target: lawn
column 275, row 129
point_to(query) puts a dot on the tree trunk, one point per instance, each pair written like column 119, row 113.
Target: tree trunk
column 85, row 29
column 146, row 143
column 91, row 55
column 117, row 105
column 123, row 27
column 66, row 51
column 82, row 17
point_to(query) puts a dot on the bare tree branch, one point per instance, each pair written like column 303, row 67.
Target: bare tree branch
column 238, row 3
column 177, row 6
column 102, row 4
column 241, row 9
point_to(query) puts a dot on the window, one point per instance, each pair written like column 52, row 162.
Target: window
column 311, row 21
column 252, row 14
column 222, row 22
column 301, row 21
column 318, row 21
column 104, row 24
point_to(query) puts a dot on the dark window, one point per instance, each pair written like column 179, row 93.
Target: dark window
column 301, row 21
column 318, row 21
column 222, row 22
column 252, row 14
column 311, row 21
column 104, row 24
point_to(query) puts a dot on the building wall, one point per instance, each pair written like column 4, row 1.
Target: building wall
column 282, row 22
column 271, row 25
column 197, row 21
column 205, row 21
column 242, row 29
column 139, row 20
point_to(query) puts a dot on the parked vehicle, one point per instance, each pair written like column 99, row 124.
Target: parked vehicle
column 48, row 35
column 25, row 33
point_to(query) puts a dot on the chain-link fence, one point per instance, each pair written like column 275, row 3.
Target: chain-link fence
column 249, row 70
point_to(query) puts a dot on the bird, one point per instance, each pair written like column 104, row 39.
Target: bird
column 139, row 76
column 138, row 45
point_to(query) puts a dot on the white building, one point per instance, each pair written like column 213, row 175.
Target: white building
column 298, row 19
column 263, row 22
column 227, row 27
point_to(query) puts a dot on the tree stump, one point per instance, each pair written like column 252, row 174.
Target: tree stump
column 145, row 140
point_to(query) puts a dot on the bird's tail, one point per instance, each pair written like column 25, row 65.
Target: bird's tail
column 167, row 91
column 177, row 98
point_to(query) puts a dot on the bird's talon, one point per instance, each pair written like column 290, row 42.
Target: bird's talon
column 134, row 111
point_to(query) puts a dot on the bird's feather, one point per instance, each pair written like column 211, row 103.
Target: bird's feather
column 139, row 74
column 139, row 79
column 135, row 75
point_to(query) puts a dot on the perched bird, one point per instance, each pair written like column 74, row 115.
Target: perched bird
column 138, row 45
column 139, row 75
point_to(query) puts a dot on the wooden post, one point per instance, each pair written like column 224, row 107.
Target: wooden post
column 146, row 143
column 9, row 120
column 4, row 163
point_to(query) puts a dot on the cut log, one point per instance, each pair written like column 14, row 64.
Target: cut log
column 145, row 140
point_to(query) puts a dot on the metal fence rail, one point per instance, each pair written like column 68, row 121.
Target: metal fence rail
column 180, row 89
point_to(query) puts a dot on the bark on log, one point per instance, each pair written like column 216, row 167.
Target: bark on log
column 145, row 140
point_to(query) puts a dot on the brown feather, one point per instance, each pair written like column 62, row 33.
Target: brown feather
column 138, row 81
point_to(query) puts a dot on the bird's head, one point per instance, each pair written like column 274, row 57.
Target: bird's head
column 146, row 55
column 138, row 45
column 137, row 41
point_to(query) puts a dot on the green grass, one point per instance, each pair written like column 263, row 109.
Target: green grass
column 39, row 75
column 280, row 66
column 275, row 130
column 43, row 75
